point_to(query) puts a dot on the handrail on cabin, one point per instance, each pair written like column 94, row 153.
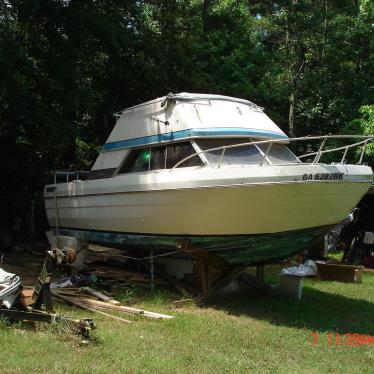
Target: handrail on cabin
column 317, row 154
column 67, row 174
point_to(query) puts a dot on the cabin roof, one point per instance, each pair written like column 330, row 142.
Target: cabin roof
column 188, row 115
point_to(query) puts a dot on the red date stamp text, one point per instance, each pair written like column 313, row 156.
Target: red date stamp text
column 347, row 340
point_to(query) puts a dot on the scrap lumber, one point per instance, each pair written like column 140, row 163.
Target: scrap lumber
column 181, row 301
column 178, row 284
column 99, row 253
column 211, row 259
column 120, row 308
column 100, row 295
column 253, row 282
column 79, row 304
column 73, row 295
column 117, row 274
column 227, row 278
column 128, row 310
column 67, row 290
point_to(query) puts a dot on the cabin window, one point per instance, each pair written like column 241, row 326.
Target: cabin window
column 137, row 160
column 178, row 151
column 156, row 158
column 279, row 154
column 243, row 155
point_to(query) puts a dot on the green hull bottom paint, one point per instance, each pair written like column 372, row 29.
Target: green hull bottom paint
column 236, row 250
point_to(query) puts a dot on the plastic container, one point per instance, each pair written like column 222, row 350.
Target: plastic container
column 292, row 285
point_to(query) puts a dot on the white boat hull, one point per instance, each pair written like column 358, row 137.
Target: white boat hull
column 283, row 203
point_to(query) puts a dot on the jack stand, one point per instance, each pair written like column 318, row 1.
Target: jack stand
column 260, row 273
column 42, row 292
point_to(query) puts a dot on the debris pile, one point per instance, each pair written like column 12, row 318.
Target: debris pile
column 35, row 304
column 95, row 301
column 18, row 304
column 117, row 270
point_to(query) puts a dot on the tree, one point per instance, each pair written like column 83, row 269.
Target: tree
column 67, row 65
column 364, row 125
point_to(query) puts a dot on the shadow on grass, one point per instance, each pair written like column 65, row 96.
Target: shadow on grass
column 317, row 310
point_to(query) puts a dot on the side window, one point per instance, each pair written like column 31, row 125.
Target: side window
column 178, row 151
column 137, row 160
column 156, row 158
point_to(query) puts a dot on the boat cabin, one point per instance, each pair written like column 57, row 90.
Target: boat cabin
column 161, row 133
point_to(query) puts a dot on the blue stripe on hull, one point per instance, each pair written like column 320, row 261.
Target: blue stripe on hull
column 192, row 133
column 236, row 250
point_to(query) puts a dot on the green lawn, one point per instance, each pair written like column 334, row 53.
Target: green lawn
column 241, row 333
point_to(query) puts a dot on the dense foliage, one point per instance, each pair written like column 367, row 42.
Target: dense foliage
column 67, row 65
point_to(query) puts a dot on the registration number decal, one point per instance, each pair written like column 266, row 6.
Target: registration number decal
column 323, row 176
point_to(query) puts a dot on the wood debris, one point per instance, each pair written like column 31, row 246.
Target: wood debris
column 98, row 253
column 95, row 301
column 100, row 295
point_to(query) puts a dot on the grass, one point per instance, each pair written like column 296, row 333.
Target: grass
column 239, row 333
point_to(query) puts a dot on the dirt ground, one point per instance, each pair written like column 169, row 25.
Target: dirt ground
column 25, row 264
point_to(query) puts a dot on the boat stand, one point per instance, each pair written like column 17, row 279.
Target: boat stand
column 212, row 273
column 42, row 293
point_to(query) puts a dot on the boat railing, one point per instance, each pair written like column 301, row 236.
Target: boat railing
column 365, row 139
column 70, row 175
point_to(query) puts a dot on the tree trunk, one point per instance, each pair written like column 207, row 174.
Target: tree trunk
column 291, row 115
column 205, row 15
column 324, row 32
column 292, row 99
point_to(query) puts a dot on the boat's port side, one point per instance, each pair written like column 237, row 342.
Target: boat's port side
column 253, row 204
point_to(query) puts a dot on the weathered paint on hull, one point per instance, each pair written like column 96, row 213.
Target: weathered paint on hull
column 236, row 250
column 226, row 210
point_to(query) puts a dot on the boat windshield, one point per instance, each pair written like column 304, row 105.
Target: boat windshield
column 279, row 154
column 245, row 155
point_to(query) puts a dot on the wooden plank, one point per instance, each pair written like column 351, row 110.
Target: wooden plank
column 181, row 301
column 177, row 283
column 253, row 282
column 227, row 278
column 100, row 295
column 210, row 258
column 79, row 304
column 204, row 276
column 125, row 309
column 68, row 294
column 66, row 291
column 260, row 273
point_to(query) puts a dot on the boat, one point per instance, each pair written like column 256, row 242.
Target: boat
column 212, row 170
